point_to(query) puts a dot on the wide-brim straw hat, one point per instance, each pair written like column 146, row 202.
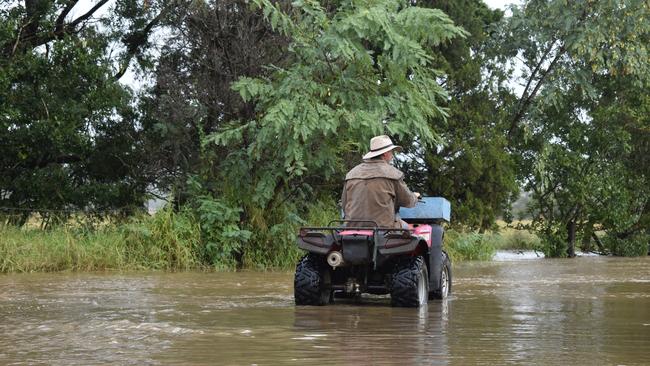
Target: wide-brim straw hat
column 380, row 145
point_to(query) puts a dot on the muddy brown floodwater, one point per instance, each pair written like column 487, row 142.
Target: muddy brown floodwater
column 583, row 311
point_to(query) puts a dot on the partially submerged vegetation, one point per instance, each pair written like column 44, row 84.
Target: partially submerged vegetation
column 174, row 241
column 185, row 240
column 167, row 240
column 482, row 246
column 162, row 242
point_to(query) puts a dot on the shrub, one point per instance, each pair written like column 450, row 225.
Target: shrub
column 633, row 246
column 275, row 246
column 469, row 246
column 517, row 239
column 167, row 240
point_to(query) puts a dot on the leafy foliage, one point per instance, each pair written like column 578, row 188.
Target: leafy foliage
column 632, row 246
column 70, row 141
column 222, row 237
column 471, row 167
column 584, row 65
column 359, row 71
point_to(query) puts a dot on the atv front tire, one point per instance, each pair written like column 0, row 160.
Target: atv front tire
column 444, row 289
column 410, row 283
column 312, row 283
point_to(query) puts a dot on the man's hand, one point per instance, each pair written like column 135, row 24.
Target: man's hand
column 417, row 195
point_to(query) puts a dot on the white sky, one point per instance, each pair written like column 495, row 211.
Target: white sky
column 501, row 4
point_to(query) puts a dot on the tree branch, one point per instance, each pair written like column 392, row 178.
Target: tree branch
column 526, row 102
column 88, row 14
column 34, row 37
column 137, row 39
column 535, row 71
column 528, row 99
column 60, row 20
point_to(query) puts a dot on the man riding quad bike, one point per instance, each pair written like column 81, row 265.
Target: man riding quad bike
column 373, row 250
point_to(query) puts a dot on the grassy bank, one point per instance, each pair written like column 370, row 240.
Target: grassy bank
column 60, row 249
column 107, row 249
column 171, row 242
column 162, row 242
column 476, row 246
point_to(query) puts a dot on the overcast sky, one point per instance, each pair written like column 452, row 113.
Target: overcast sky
column 501, row 4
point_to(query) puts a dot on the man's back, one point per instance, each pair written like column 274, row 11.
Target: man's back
column 374, row 190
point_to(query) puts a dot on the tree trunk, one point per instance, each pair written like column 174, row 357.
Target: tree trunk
column 571, row 239
column 18, row 219
column 599, row 243
column 586, row 237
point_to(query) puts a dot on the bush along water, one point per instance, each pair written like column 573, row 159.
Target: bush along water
column 205, row 234
column 469, row 246
column 631, row 246
column 223, row 238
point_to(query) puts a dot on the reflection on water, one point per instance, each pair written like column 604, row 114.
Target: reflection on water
column 588, row 310
column 369, row 334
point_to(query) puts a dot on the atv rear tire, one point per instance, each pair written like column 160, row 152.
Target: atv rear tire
column 312, row 283
column 410, row 283
column 444, row 289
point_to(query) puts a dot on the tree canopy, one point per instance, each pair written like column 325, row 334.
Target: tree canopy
column 249, row 113
column 578, row 125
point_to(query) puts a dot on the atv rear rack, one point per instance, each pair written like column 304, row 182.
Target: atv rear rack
column 335, row 232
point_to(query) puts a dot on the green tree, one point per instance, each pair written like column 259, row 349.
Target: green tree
column 589, row 174
column 69, row 137
column 578, row 125
column 356, row 71
column 472, row 167
column 209, row 46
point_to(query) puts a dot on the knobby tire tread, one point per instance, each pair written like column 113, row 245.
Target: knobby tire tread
column 307, row 283
column 404, row 292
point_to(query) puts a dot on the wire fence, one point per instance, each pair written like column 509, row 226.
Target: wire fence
column 20, row 210
column 44, row 218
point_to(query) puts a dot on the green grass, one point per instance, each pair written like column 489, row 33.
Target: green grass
column 32, row 250
column 468, row 246
column 159, row 242
column 463, row 246
column 512, row 239
column 174, row 241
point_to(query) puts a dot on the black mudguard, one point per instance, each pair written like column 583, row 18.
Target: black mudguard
column 435, row 257
column 315, row 242
column 398, row 246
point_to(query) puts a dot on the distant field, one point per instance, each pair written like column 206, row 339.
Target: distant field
column 509, row 237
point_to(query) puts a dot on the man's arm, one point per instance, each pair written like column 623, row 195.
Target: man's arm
column 403, row 195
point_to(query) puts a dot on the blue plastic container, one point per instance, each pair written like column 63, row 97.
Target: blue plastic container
column 428, row 210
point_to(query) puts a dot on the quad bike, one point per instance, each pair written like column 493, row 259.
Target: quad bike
column 355, row 257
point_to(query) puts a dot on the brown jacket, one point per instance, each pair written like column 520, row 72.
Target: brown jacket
column 375, row 190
